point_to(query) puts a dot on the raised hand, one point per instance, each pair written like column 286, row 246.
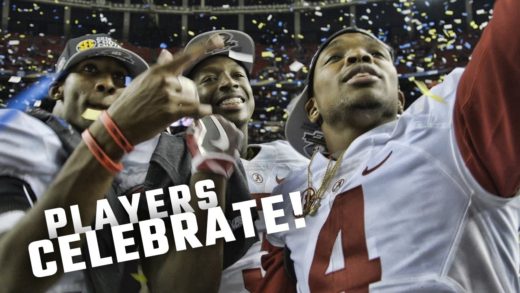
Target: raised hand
column 161, row 95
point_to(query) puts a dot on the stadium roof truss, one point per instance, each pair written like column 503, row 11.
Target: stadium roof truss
column 150, row 7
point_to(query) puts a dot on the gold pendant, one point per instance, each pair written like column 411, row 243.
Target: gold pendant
column 309, row 196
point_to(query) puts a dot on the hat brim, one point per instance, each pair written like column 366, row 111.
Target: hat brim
column 133, row 62
column 303, row 135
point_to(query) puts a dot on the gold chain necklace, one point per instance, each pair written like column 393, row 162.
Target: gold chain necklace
column 313, row 197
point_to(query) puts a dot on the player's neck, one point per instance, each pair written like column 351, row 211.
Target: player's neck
column 339, row 139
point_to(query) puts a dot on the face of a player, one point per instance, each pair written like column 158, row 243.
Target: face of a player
column 92, row 83
column 223, row 83
column 356, row 83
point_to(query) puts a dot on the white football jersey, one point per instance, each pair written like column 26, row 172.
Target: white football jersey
column 404, row 214
column 31, row 151
column 273, row 163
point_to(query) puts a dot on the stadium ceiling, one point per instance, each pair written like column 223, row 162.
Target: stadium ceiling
column 151, row 7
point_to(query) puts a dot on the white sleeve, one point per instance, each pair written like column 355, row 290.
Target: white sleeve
column 9, row 219
column 29, row 150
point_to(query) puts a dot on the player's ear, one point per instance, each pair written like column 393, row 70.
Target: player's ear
column 313, row 113
column 400, row 96
column 56, row 91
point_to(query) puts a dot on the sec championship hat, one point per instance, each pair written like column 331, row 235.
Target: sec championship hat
column 238, row 46
column 97, row 45
column 302, row 134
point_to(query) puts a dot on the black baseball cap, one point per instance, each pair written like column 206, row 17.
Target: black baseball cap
column 97, row 45
column 238, row 46
column 303, row 135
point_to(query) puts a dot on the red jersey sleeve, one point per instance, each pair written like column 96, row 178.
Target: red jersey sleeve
column 487, row 108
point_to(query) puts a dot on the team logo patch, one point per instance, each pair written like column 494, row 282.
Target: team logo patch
column 314, row 137
column 257, row 178
column 337, row 185
column 314, row 141
column 282, row 173
column 85, row 45
column 98, row 42
column 229, row 43
column 372, row 169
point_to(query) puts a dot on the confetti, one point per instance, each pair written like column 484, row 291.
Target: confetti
column 296, row 66
column 426, row 35
column 91, row 114
column 15, row 79
column 425, row 91
column 267, row 54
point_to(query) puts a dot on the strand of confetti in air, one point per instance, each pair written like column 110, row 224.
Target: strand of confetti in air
column 425, row 91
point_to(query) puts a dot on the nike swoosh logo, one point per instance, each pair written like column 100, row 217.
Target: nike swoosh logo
column 368, row 171
column 278, row 180
column 222, row 143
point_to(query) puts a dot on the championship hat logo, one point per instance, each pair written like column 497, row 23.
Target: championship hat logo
column 314, row 140
column 229, row 43
column 85, row 45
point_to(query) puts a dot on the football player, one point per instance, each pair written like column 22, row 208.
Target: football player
column 426, row 202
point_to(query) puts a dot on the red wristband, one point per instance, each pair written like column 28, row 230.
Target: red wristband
column 116, row 134
column 99, row 154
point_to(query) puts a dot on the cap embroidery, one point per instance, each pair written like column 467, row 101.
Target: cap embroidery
column 229, row 43
column 85, row 45
column 106, row 42
column 257, row 178
column 313, row 140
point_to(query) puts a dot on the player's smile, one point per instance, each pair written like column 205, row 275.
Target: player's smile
column 223, row 83
column 230, row 102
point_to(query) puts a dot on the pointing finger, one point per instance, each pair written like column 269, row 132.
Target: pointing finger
column 164, row 57
column 185, row 58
